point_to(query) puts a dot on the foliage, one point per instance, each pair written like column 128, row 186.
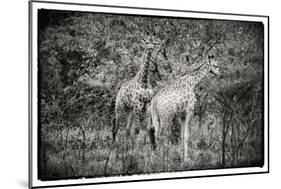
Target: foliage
column 83, row 57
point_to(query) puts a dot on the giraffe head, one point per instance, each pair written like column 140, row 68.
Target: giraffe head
column 213, row 65
column 157, row 47
column 153, row 48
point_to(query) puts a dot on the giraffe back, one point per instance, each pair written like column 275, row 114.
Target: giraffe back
column 132, row 95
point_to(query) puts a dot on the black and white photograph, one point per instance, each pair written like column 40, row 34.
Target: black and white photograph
column 124, row 94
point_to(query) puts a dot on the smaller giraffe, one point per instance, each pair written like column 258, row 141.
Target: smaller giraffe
column 134, row 94
column 177, row 101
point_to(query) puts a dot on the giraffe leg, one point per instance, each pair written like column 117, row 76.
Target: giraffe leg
column 152, row 138
column 163, row 140
column 138, row 119
column 118, row 115
column 185, row 139
column 126, row 144
column 132, row 122
column 130, row 131
column 115, row 126
column 166, row 151
column 189, row 114
column 129, row 123
column 120, row 112
column 181, row 120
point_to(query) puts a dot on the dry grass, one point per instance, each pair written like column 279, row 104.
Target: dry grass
column 97, row 157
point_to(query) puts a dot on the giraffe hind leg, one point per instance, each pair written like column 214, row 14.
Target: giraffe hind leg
column 151, row 134
column 186, row 129
column 129, row 123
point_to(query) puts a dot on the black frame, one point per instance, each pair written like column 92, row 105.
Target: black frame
column 30, row 92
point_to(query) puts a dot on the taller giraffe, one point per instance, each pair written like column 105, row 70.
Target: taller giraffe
column 134, row 94
column 177, row 101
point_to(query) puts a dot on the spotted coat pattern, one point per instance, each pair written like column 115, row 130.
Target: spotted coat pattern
column 134, row 94
column 177, row 101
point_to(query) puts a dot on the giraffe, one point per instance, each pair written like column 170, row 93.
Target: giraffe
column 134, row 94
column 177, row 101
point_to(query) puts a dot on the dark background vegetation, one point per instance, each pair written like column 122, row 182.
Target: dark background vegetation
column 83, row 57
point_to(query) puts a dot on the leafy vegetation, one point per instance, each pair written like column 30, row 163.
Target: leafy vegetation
column 83, row 58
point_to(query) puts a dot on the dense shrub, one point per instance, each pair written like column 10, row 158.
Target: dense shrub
column 83, row 58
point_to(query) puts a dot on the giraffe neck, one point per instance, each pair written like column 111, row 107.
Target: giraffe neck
column 194, row 78
column 142, row 75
